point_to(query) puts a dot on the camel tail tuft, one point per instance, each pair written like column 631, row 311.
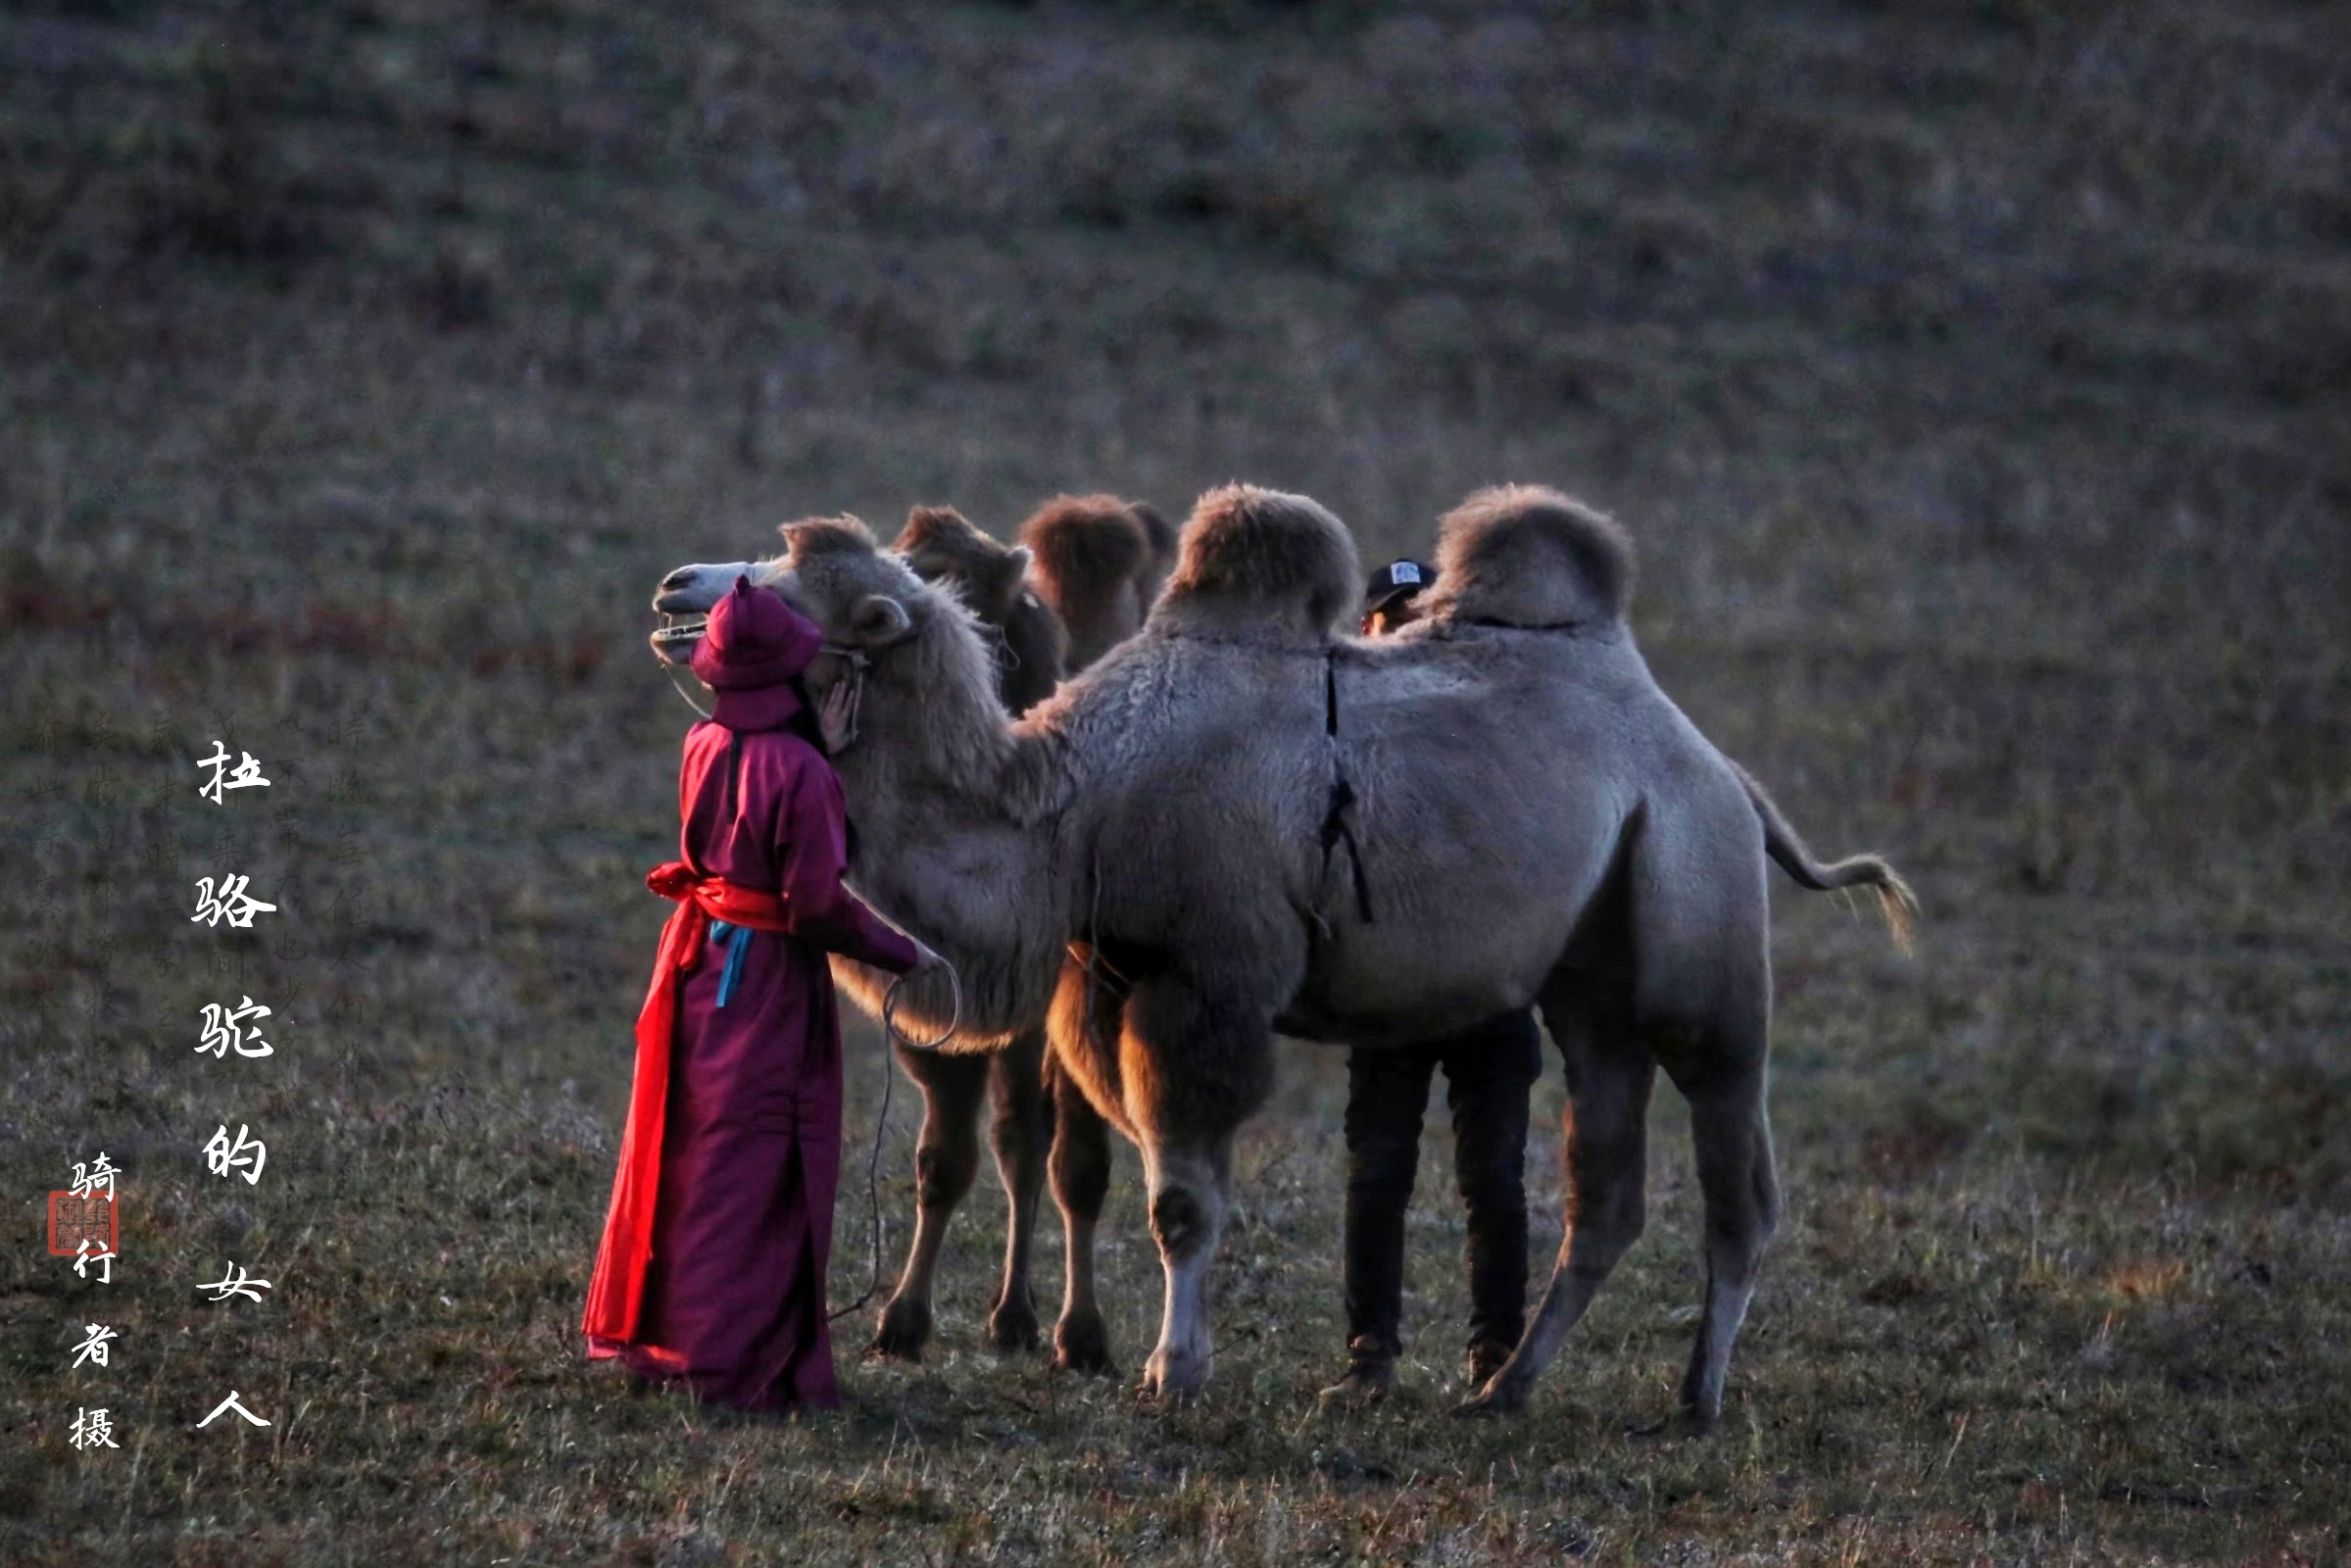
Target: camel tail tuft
column 1895, row 902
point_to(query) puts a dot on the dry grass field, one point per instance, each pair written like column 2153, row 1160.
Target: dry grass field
column 1975, row 376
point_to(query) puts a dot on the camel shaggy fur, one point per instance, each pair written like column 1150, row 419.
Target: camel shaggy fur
column 1240, row 822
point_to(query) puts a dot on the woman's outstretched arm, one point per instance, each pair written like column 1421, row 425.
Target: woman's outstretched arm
column 813, row 857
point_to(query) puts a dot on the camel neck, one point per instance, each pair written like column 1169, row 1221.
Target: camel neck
column 953, row 805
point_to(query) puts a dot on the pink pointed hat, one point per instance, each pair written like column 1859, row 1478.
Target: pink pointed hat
column 752, row 647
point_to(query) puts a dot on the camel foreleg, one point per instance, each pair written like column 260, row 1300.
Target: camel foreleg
column 1021, row 1135
column 1191, row 1193
column 947, row 1160
column 1194, row 1067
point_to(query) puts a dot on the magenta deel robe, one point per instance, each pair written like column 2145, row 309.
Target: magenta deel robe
column 743, row 1223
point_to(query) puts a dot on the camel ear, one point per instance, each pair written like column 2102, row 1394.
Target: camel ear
column 880, row 620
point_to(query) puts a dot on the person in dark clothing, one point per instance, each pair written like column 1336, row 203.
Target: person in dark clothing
column 1489, row 1070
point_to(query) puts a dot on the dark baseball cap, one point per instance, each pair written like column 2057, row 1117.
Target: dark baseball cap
column 1396, row 581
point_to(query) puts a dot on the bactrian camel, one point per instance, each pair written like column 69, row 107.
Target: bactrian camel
column 1086, row 570
column 1241, row 822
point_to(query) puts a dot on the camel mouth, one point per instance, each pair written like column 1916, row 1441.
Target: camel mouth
column 673, row 641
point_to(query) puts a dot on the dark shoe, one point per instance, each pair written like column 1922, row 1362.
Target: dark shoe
column 1368, row 1381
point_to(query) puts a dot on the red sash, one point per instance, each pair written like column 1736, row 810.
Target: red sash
column 618, row 1290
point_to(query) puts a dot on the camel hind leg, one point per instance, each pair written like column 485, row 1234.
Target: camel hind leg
column 1021, row 1135
column 1081, row 1178
column 1741, row 1192
column 1089, row 1090
column 1703, row 1000
column 947, row 1159
column 1605, row 1148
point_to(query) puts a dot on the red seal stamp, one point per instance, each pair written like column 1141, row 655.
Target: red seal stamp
column 75, row 1218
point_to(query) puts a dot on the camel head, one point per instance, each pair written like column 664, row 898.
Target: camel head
column 832, row 593
column 685, row 600
column 919, row 647
column 942, row 546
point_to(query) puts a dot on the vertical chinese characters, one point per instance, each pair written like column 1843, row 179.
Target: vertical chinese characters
column 230, row 1030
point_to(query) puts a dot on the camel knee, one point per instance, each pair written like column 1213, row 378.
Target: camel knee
column 1019, row 1135
column 1080, row 1161
column 1735, row 1242
column 1180, row 1222
column 1607, row 1218
column 944, row 1171
column 1600, row 1245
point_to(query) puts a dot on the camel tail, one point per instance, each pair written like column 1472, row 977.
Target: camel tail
column 1785, row 845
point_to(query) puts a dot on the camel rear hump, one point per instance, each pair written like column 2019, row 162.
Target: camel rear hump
column 1527, row 556
column 1260, row 562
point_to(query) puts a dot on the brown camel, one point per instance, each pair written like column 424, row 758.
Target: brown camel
column 1099, row 561
column 1092, row 562
column 1244, row 822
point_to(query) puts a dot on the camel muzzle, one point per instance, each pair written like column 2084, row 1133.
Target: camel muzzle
column 677, row 634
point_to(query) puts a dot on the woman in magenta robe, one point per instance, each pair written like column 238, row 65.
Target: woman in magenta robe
column 713, row 1265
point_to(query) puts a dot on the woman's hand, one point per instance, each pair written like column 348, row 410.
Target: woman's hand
column 837, row 716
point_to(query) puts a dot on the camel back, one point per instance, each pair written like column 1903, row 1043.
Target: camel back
column 1526, row 556
column 1259, row 564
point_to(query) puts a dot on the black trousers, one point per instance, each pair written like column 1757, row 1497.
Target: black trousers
column 1488, row 1071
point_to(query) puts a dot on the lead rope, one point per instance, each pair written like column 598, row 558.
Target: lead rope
column 684, row 694
column 881, row 1123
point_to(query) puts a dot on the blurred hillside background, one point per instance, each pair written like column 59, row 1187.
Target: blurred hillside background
column 1975, row 376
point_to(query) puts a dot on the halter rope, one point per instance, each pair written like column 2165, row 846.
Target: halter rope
column 881, row 1122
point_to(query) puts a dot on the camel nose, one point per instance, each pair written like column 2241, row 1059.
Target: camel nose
column 678, row 578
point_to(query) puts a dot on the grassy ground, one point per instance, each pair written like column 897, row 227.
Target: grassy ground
column 1976, row 380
